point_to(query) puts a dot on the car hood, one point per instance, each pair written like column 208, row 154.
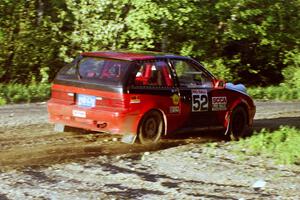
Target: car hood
column 237, row 87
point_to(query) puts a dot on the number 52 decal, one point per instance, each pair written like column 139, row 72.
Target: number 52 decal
column 199, row 100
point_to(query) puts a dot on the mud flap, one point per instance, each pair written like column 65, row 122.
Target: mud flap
column 59, row 127
column 227, row 122
column 128, row 138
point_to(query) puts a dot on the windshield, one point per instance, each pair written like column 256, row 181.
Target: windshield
column 97, row 70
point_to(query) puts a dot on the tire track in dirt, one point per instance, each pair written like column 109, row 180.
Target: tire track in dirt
column 35, row 145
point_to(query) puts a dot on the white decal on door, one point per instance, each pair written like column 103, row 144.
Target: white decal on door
column 219, row 103
column 199, row 100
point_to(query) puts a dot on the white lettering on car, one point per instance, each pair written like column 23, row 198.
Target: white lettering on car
column 219, row 103
column 174, row 109
column 79, row 113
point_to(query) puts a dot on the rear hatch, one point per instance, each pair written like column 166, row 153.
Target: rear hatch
column 91, row 82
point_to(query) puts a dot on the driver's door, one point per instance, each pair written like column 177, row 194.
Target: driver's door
column 195, row 87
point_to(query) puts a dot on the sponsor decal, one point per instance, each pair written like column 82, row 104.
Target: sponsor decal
column 79, row 113
column 135, row 99
column 175, row 98
column 219, row 103
column 199, row 100
column 174, row 109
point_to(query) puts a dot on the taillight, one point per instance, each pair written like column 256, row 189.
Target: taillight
column 118, row 102
column 57, row 94
column 109, row 102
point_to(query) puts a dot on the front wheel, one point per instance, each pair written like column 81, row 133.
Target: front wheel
column 151, row 127
column 238, row 124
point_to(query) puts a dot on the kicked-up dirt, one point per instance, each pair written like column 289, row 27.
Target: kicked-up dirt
column 37, row 163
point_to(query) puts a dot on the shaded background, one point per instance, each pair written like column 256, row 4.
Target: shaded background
column 251, row 41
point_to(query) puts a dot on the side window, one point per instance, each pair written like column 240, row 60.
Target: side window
column 153, row 74
column 69, row 69
column 96, row 70
column 190, row 76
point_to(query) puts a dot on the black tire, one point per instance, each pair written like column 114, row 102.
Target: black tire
column 238, row 124
column 151, row 127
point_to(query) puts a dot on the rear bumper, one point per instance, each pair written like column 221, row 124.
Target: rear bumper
column 115, row 122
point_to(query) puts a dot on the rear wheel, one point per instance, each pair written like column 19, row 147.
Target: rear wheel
column 238, row 124
column 151, row 127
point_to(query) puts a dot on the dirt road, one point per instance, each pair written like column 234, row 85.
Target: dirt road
column 37, row 163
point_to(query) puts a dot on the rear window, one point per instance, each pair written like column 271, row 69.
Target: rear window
column 97, row 70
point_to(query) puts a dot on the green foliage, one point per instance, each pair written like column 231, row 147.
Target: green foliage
column 281, row 145
column 282, row 92
column 290, row 88
column 29, row 42
column 17, row 93
column 219, row 67
column 2, row 97
column 2, row 101
column 240, row 40
column 255, row 32
column 96, row 25
column 291, row 74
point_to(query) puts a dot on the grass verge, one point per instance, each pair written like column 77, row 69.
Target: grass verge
column 281, row 145
column 274, row 93
column 19, row 93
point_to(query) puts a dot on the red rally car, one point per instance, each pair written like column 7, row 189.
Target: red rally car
column 145, row 95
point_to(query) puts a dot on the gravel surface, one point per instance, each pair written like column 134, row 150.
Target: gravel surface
column 275, row 109
column 23, row 114
column 37, row 163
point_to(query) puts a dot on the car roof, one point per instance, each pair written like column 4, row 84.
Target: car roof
column 132, row 55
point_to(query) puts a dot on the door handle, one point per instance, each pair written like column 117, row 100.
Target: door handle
column 185, row 98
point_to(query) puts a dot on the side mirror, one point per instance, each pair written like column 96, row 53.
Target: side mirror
column 219, row 84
